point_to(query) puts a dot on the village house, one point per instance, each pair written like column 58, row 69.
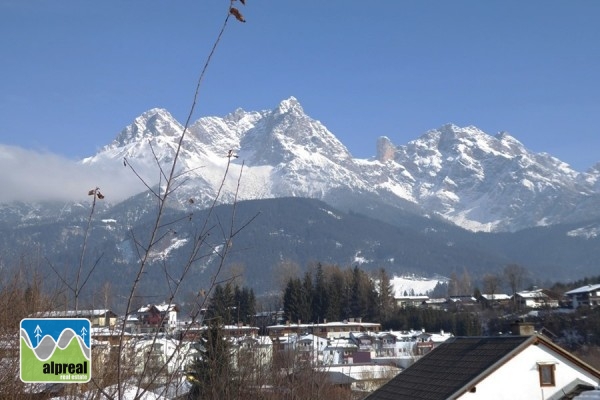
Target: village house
column 461, row 303
column 97, row 318
column 192, row 332
column 361, row 377
column 339, row 351
column 400, row 348
column 156, row 353
column 588, row 295
column 435, row 303
column 495, row 299
column 364, row 340
column 390, row 345
column 252, row 350
column 153, row 318
column 538, row 298
column 411, row 301
column 471, row 368
column 111, row 336
column 403, row 348
column 325, row 329
column 307, row 348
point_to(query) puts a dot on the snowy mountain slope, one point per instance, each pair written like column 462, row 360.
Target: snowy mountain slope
column 484, row 182
column 478, row 181
column 284, row 153
column 392, row 210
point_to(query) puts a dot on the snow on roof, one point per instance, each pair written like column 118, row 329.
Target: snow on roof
column 327, row 324
column 584, row 289
column 462, row 298
column 311, row 337
column 258, row 340
column 440, row 337
column 166, row 307
column 533, row 294
column 496, row 296
column 160, row 307
column 72, row 313
column 364, row 371
column 341, row 343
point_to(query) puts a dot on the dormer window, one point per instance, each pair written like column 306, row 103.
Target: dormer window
column 546, row 371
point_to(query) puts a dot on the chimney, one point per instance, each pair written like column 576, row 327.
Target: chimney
column 521, row 328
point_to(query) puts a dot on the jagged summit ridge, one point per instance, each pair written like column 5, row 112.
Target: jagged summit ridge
column 154, row 122
column 486, row 182
column 476, row 180
column 284, row 151
column 291, row 104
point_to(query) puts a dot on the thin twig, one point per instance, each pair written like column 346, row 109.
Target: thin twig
column 163, row 197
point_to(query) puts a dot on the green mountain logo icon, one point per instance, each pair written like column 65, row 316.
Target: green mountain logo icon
column 55, row 350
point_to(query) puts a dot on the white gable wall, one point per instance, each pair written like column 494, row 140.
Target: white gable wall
column 518, row 379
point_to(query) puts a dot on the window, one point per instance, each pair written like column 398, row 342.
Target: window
column 546, row 371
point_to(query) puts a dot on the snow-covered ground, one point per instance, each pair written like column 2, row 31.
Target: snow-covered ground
column 414, row 285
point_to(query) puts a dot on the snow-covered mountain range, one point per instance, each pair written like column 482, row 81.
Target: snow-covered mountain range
column 477, row 181
column 310, row 200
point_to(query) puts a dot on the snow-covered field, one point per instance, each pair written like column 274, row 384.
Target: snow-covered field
column 414, row 285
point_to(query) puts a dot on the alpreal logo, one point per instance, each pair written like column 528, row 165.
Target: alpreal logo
column 55, row 350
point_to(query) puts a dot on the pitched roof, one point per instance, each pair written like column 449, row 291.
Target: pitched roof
column 73, row 313
column 584, row 289
column 448, row 368
column 532, row 294
column 496, row 296
column 164, row 307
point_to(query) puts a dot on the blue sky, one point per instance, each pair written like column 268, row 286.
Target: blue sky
column 74, row 73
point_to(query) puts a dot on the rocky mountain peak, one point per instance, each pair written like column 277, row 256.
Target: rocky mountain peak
column 290, row 104
column 154, row 122
column 385, row 149
column 476, row 180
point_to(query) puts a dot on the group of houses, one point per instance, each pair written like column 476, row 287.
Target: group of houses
column 588, row 295
column 522, row 366
column 353, row 353
column 359, row 355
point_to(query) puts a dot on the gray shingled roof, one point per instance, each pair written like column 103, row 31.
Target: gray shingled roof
column 448, row 368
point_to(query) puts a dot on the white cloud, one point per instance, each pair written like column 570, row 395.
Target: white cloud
column 28, row 175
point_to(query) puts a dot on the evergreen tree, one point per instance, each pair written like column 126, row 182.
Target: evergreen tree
column 211, row 373
column 306, row 311
column 320, row 296
column 357, row 308
column 440, row 290
column 245, row 303
column 222, row 304
column 295, row 301
column 336, row 289
column 386, row 303
column 363, row 296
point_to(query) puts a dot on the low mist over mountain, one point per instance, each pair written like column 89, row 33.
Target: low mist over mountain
column 455, row 198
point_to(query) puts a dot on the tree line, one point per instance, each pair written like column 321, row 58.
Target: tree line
column 332, row 293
